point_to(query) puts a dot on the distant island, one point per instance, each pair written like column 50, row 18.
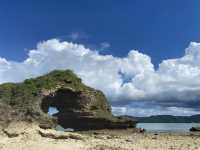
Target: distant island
column 169, row 119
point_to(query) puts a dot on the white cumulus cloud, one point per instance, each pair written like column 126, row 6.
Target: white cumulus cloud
column 122, row 79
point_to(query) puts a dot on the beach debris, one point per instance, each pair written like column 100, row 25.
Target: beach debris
column 97, row 133
column 128, row 140
column 154, row 137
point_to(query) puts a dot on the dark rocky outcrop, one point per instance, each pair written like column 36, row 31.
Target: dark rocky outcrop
column 195, row 129
column 80, row 107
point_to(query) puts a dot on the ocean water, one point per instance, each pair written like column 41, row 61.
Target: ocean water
column 167, row 127
column 52, row 111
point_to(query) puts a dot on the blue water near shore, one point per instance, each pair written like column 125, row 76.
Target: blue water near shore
column 52, row 111
column 167, row 127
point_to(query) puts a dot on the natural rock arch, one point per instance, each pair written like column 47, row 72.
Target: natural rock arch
column 80, row 107
column 77, row 109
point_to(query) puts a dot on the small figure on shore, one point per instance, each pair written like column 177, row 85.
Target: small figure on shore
column 141, row 130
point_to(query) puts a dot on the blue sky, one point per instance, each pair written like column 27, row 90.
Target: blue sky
column 162, row 77
column 161, row 29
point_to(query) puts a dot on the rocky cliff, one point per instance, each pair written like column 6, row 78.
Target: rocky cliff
column 79, row 106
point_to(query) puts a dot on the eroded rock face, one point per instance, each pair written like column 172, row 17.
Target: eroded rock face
column 80, row 107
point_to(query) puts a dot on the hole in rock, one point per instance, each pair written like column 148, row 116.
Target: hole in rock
column 61, row 105
column 52, row 111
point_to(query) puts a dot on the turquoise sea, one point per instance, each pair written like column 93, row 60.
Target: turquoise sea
column 167, row 127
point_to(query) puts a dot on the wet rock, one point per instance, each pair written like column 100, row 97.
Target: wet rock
column 195, row 129
column 45, row 126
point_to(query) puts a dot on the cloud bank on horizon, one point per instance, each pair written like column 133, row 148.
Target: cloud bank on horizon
column 172, row 88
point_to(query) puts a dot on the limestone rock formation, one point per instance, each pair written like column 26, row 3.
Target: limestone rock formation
column 79, row 106
column 59, row 135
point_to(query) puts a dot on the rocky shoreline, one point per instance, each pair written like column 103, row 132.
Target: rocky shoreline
column 25, row 123
column 23, row 136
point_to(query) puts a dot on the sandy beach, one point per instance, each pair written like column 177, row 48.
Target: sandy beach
column 26, row 137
